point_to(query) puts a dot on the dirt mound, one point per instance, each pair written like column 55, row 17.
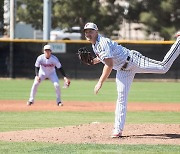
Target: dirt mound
column 99, row 133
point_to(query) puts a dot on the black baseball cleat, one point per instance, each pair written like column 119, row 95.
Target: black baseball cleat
column 59, row 104
column 29, row 103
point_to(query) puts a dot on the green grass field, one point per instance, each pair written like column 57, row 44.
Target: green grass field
column 28, row 120
column 49, row 148
column 82, row 90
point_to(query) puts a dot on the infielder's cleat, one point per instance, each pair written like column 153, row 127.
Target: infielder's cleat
column 29, row 103
column 116, row 135
column 59, row 104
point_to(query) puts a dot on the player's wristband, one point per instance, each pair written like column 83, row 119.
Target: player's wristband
column 36, row 71
column 62, row 72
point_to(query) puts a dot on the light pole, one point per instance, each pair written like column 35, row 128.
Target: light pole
column 12, row 35
column 46, row 19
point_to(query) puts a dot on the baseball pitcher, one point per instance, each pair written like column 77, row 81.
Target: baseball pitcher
column 127, row 63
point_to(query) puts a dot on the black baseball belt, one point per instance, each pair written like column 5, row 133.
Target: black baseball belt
column 126, row 63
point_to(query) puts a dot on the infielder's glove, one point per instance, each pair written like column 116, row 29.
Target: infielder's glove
column 67, row 83
column 85, row 56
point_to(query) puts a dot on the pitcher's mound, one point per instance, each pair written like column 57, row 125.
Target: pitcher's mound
column 99, row 133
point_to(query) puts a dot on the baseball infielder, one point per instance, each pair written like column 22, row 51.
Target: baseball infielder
column 127, row 63
column 45, row 68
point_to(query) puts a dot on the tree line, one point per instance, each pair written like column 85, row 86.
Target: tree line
column 161, row 16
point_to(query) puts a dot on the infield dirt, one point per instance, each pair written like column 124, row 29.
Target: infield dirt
column 94, row 132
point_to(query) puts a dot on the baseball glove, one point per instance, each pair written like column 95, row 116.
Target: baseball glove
column 85, row 56
column 67, row 83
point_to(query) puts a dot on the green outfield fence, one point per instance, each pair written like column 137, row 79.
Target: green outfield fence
column 17, row 58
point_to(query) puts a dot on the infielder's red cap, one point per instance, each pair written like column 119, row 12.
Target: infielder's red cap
column 90, row 25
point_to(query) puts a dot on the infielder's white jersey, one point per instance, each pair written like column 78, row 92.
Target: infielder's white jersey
column 47, row 70
column 105, row 48
column 47, row 66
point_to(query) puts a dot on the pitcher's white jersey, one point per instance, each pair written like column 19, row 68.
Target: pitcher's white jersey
column 137, row 63
column 105, row 48
column 47, row 66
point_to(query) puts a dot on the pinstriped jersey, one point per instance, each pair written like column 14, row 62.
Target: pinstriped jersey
column 106, row 48
column 47, row 66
